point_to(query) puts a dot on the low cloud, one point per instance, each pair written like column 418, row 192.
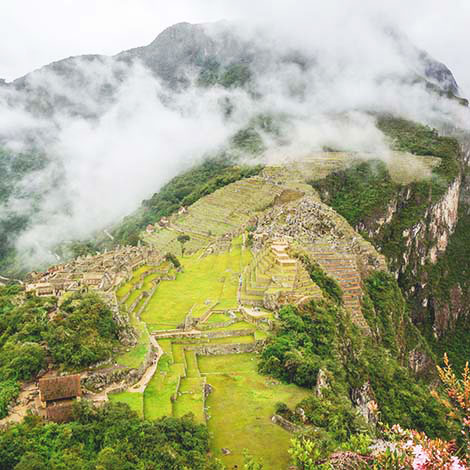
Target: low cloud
column 123, row 134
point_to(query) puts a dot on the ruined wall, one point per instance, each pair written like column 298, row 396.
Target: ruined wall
column 127, row 334
column 285, row 424
column 200, row 335
column 224, row 324
column 99, row 380
column 222, row 349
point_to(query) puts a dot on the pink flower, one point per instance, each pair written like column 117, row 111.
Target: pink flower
column 456, row 465
column 408, row 444
column 420, row 458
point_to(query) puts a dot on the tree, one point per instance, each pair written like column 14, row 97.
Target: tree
column 305, row 455
column 183, row 239
column 109, row 459
column 31, row 461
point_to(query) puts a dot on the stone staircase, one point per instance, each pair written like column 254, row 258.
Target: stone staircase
column 339, row 263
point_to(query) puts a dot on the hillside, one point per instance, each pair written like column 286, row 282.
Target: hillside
column 228, row 74
column 219, row 253
column 211, row 310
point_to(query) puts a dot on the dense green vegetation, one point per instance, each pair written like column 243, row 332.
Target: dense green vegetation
column 111, row 437
column 82, row 332
column 327, row 284
column 79, row 333
column 359, row 193
column 21, row 355
column 13, row 168
column 402, row 397
column 386, row 312
column 321, row 337
column 303, row 344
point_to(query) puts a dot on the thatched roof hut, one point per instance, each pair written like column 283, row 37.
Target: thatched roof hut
column 59, row 388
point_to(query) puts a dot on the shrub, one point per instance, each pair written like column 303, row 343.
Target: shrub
column 111, row 437
column 327, row 284
column 83, row 332
column 9, row 390
column 170, row 257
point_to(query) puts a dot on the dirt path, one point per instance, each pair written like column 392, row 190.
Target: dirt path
column 25, row 402
column 141, row 385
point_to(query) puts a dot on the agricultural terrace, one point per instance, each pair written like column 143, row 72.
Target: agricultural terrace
column 403, row 167
column 206, row 282
column 240, row 404
column 142, row 280
column 240, row 407
column 227, row 210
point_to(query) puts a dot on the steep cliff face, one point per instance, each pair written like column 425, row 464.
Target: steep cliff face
column 426, row 239
column 423, row 245
column 421, row 227
column 422, row 264
column 433, row 266
column 450, row 276
column 425, row 242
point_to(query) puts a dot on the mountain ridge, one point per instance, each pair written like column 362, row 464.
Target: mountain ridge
column 184, row 47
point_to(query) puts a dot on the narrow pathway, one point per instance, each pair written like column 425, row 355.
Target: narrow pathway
column 141, row 385
column 340, row 263
column 26, row 396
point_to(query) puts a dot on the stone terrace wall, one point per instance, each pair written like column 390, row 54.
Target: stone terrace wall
column 147, row 300
column 224, row 324
column 175, row 334
column 222, row 349
column 204, row 398
column 98, row 380
column 285, row 424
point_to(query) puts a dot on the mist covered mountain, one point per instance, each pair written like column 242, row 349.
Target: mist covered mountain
column 298, row 196
column 185, row 52
column 99, row 124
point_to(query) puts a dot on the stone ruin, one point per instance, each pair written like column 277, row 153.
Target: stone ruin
column 274, row 278
column 101, row 272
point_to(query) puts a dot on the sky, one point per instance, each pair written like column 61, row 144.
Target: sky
column 35, row 33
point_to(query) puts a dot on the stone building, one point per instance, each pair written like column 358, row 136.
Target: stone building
column 57, row 396
column 164, row 222
column 99, row 272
